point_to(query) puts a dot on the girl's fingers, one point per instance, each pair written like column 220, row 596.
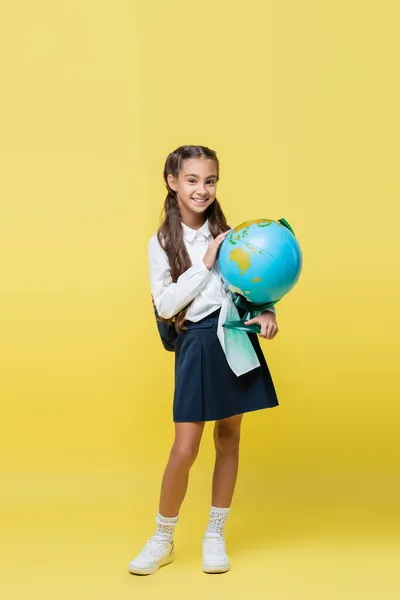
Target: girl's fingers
column 266, row 332
column 250, row 322
column 274, row 331
column 220, row 238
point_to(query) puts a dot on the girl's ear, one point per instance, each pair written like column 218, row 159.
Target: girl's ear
column 171, row 182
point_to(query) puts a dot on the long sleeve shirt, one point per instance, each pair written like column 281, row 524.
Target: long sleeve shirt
column 205, row 287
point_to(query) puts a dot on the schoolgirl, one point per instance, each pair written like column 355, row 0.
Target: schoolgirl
column 213, row 381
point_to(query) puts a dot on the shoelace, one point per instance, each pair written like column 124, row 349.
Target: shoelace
column 214, row 545
column 153, row 547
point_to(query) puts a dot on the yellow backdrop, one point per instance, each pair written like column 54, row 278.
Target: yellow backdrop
column 300, row 101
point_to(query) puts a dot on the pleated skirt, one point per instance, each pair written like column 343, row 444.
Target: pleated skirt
column 206, row 389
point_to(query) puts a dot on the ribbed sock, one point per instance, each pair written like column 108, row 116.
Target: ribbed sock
column 217, row 520
column 166, row 526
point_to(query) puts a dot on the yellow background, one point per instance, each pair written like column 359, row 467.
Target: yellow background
column 301, row 102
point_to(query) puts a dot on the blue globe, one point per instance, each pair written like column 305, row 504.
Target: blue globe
column 261, row 260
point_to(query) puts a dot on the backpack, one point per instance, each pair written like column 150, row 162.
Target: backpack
column 167, row 331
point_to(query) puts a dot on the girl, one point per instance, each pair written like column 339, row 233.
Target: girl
column 211, row 384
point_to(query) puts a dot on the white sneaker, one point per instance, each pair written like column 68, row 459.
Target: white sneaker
column 156, row 553
column 215, row 558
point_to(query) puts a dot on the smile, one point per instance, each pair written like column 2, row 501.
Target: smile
column 199, row 201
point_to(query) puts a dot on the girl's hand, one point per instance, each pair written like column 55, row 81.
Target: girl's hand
column 267, row 321
column 212, row 252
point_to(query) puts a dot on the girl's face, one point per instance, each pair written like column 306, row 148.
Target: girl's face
column 196, row 185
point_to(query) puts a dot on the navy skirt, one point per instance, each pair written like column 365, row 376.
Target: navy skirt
column 206, row 389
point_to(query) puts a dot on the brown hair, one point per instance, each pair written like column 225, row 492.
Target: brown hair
column 170, row 233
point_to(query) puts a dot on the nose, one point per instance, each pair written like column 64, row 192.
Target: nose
column 202, row 190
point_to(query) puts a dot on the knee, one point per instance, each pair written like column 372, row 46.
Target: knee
column 226, row 440
column 184, row 453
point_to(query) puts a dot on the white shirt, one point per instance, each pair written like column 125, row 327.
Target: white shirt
column 205, row 287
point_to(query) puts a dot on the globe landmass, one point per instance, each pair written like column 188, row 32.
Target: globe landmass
column 241, row 258
column 247, row 224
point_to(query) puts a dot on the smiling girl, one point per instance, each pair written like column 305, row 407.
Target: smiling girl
column 210, row 385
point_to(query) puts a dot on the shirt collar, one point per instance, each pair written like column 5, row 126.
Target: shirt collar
column 190, row 234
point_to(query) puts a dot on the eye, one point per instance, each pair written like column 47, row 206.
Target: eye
column 211, row 182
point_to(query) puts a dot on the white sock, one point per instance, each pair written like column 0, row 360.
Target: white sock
column 217, row 520
column 166, row 526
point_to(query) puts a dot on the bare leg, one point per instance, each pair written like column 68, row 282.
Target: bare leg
column 226, row 439
column 176, row 475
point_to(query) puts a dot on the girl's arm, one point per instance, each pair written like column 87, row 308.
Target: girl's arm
column 170, row 298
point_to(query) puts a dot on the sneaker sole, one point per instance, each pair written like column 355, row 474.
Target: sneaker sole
column 219, row 569
column 165, row 561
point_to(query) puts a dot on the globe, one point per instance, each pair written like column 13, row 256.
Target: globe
column 260, row 260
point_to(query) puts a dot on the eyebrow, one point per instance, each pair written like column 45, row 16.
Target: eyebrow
column 194, row 175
